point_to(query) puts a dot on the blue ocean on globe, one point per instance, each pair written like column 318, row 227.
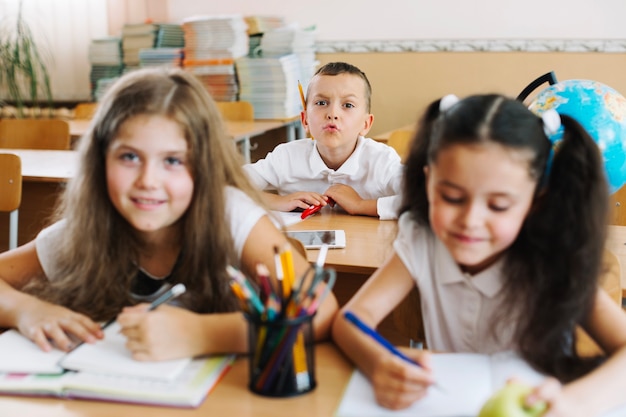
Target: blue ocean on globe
column 601, row 111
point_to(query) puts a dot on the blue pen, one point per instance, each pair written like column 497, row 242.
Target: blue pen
column 381, row 340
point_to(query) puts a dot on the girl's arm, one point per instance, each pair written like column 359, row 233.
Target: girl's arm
column 40, row 321
column 259, row 248
column 602, row 388
column 397, row 383
column 171, row 332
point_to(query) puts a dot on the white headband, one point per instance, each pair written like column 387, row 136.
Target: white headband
column 551, row 122
column 447, row 101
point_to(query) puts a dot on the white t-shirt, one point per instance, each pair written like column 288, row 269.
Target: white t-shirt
column 374, row 170
column 242, row 213
column 457, row 308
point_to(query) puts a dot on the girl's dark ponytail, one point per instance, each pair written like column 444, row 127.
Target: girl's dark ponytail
column 565, row 231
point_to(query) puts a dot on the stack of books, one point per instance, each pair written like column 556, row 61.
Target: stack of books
column 170, row 35
column 271, row 85
column 292, row 39
column 134, row 38
column 161, row 57
column 105, row 57
column 212, row 43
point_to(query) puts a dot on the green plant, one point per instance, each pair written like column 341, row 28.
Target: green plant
column 23, row 72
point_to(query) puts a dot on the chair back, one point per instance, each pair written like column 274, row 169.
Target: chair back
column 236, row 111
column 400, row 140
column 85, row 110
column 11, row 191
column 34, row 134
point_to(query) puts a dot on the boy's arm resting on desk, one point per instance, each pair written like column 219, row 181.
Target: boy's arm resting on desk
column 290, row 202
column 349, row 200
column 38, row 320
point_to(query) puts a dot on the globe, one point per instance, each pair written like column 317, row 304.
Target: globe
column 601, row 111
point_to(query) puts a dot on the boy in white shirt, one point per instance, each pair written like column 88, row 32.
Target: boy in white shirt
column 360, row 175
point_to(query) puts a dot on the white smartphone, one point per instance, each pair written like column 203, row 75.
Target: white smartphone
column 313, row 239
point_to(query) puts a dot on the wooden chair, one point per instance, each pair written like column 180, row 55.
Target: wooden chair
column 400, row 140
column 407, row 316
column 34, row 134
column 11, row 191
column 85, row 110
column 241, row 111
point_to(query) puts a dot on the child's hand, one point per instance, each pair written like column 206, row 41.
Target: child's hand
column 346, row 197
column 165, row 333
column 49, row 324
column 397, row 383
column 301, row 200
column 560, row 403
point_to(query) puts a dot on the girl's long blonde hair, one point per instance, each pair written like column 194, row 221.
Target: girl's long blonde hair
column 99, row 249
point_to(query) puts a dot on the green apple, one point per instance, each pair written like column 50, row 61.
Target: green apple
column 509, row 402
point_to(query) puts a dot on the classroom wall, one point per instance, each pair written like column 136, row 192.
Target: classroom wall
column 422, row 50
column 427, row 19
column 405, row 83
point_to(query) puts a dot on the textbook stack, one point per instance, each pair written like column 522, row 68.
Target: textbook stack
column 161, row 57
column 292, row 39
column 271, row 85
column 105, row 57
column 168, row 48
column 136, row 37
column 212, row 43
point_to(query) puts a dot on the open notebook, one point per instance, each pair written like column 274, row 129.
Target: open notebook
column 467, row 380
column 105, row 370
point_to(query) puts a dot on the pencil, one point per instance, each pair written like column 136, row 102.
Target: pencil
column 378, row 338
column 302, row 96
column 302, row 99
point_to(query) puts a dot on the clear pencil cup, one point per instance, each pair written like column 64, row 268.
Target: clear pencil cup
column 282, row 356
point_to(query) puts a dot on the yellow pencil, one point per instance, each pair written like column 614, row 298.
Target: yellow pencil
column 302, row 98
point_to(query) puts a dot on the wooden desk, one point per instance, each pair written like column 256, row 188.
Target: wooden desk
column 368, row 240
column 230, row 397
column 46, row 165
column 240, row 131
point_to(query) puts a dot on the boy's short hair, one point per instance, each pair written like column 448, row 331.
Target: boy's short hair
column 336, row 68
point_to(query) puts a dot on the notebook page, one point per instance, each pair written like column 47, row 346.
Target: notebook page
column 20, row 355
column 110, row 356
column 188, row 389
column 464, row 378
column 507, row 365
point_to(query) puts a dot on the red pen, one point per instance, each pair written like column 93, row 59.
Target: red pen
column 314, row 209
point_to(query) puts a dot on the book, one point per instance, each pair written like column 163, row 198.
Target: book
column 465, row 381
column 105, row 371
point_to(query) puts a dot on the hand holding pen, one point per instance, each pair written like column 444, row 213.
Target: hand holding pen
column 350, row 317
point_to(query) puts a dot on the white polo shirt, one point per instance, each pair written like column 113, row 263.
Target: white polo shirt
column 374, row 171
column 456, row 308
column 242, row 213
